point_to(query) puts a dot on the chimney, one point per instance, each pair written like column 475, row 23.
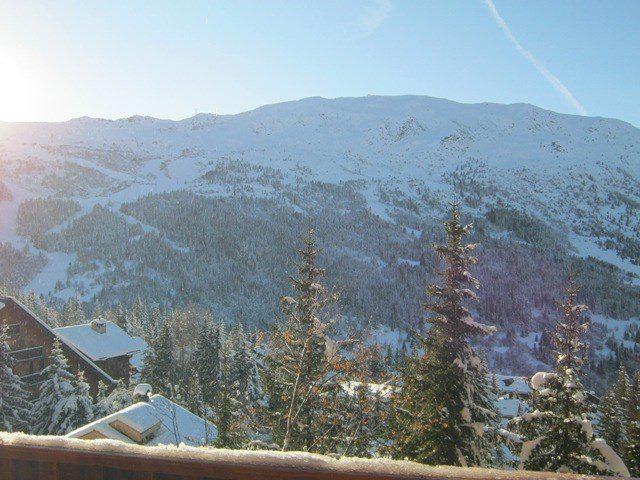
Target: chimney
column 99, row 325
column 142, row 392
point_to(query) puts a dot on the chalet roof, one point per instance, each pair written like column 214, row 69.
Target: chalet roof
column 106, row 377
column 114, row 342
column 513, row 384
column 177, row 425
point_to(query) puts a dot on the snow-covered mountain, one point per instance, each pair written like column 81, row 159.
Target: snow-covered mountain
column 207, row 209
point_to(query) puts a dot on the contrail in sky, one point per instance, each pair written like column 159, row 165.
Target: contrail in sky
column 551, row 78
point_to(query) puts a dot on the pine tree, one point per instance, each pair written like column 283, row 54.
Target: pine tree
column 77, row 409
column 303, row 366
column 139, row 319
column 159, row 369
column 121, row 318
column 14, row 399
column 63, row 402
column 244, row 367
column 558, row 434
column 102, row 408
column 632, row 449
column 239, row 360
column 445, row 413
column 230, row 419
column 108, row 403
column 207, row 362
column 613, row 409
column 72, row 313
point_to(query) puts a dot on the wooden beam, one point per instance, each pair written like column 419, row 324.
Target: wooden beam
column 148, row 463
column 48, row 471
column 6, row 468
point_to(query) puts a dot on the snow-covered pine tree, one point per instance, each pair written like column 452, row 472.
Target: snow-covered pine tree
column 63, row 401
column 14, row 399
column 189, row 393
column 101, row 408
column 304, row 368
column 239, row 360
column 367, row 406
column 72, row 313
column 159, row 366
column 632, row 449
column 558, row 433
column 445, row 410
column 139, row 319
column 613, row 412
column 57, row 386
column 207, row 361
column 255, row 391
column 121, row 318
column 108, row 403
column 229, row 414
column 75, row 410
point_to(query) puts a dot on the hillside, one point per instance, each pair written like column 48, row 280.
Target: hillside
column 206, row 210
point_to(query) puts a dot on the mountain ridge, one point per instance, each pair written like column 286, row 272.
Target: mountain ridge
column 90, row 204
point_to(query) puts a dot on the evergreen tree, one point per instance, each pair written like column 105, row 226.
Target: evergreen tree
column 229, row 416
column 14, row 399
column 613, row 413
column 160, row 369
column 139, row 319
column 63, row 402
column 632, row 449
column 558, row 434
column 303, row 366
column 101, row 408
column 77, row 409
column 121, row 318
column 239, row 360
column 445, row 411
column 244, row 368
column 207, row 362
column 108, row 403
column 72, row 313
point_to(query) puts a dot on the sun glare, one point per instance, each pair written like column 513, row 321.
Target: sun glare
column 16, row 91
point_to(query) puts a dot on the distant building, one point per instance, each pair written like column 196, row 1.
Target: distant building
column 107, row 345
column 513, row 393
column 155, row 420
column 31, row 340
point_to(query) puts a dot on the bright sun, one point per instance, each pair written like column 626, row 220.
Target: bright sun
column 16, row 91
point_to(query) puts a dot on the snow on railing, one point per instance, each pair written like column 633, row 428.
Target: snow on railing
column 25, row 457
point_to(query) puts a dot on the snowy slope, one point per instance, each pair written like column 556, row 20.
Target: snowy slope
column 521, row 150
column 404, row 157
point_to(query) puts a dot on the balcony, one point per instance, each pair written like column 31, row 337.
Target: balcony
column 24, row 457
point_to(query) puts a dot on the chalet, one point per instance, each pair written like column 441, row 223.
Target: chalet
column 107, row 345
column 513, row 392
column 153, row 420
column 31, row 340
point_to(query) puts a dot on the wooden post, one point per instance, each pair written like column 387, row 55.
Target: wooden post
column 47, row 471
column 6, row 469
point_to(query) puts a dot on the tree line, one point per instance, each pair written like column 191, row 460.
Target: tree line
column 305, row 384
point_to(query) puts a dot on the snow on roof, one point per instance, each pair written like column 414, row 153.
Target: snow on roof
column 178, row 425
column 68, row 344
column 508, row 407
column 509, row 384
column 383, row 390
column 114, row 342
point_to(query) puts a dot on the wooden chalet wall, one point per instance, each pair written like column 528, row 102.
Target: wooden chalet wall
column 31, row 343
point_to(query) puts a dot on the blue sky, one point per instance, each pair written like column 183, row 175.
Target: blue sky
column 171, row 59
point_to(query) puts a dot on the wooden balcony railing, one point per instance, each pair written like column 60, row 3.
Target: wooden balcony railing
column 24, row 457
